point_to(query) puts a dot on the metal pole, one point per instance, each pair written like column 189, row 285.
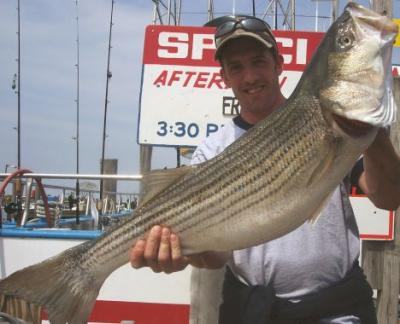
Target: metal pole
column 127, row 177
column 77, row 113
column 178, row 18
column 106, row 99
column 19, row 88
column 178, row 156
column 335, row 9
column 169, row 12
column 293, row 14
column 383, row 7
column 210, row 10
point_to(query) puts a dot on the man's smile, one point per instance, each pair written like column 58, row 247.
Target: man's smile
column 254, row 90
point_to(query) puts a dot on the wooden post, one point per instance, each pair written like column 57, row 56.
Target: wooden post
column 110, row 186
column 381, row 260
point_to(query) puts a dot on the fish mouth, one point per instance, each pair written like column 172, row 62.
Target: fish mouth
column 368, row 98
column 352, row 127
column 366, row 17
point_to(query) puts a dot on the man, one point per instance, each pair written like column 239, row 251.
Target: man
column 310, row 275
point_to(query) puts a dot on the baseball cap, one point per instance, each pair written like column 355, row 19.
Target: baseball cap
column 246, row 26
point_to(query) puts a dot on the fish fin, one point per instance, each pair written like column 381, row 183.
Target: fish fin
column 317, row 213
column 23, row 312
column 157, row 181
column 324, row 165
column 65, row 290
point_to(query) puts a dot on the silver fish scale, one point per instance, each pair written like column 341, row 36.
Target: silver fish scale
column 251, row 172
column 272, row 148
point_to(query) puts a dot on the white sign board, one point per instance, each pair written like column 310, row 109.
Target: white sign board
column 184, row 98
column 373, row 223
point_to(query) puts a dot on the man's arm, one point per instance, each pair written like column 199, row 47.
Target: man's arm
column 380, row 180
column 161, row 251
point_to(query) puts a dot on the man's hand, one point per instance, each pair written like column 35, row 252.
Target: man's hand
column 161, row 251
column 380, row 180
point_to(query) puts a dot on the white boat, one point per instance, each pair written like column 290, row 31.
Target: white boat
column 128, row 295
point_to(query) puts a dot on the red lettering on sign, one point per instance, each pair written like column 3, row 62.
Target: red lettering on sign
column 283, row 81
column 174, row 77
column 189, row 75
column 201, row 79
column 194, row 46
column 161, row 79
column 217, row 80
column 194, row 79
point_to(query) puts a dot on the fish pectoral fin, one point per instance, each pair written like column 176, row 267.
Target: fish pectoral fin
column 317, row 213
column 324, row 165
column 155, row 182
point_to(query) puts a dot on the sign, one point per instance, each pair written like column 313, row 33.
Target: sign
column 184, row 98
column 397, row 41
column 373, row 223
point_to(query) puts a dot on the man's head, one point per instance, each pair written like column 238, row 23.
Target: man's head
column 244, row 26
column 251, row 65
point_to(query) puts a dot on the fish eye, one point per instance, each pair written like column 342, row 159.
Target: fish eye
column 345, row 41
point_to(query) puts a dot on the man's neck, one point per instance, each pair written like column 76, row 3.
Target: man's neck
column 253, row 118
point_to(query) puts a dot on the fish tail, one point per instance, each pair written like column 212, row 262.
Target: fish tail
column 66, row 292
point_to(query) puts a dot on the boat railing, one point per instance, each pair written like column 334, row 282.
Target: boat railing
column 125, row 177
column 30, row 176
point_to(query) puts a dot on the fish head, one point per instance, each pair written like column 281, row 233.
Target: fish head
column 355, row 76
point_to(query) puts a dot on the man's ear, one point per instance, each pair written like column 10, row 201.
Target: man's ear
column 224, row 77
column 279, row 64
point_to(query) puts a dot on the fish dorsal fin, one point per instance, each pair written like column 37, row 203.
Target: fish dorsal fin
column 317, row 213
column 154, row 182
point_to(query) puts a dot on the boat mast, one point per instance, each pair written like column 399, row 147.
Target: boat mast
column 106, row 99
column 77, row 189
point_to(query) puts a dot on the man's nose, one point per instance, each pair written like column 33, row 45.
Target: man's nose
column 250, row 75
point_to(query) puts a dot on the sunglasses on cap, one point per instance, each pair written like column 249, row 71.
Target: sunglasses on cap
column 250, row 24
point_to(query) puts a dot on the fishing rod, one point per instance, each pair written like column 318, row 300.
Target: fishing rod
column 77, row 189
column 106, row 99
column 19, row 88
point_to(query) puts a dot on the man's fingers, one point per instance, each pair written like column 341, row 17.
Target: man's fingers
column 136, row 254
column 178, row 261
column 151, row 248
column 161, row 251
column 164, row 252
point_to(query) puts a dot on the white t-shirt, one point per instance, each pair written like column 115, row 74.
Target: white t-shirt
column 311, row 257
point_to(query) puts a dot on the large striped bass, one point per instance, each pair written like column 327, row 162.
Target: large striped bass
column 264, row 185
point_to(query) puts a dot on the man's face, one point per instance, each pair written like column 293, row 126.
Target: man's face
column 252, row 72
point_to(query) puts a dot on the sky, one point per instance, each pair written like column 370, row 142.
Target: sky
column 49, row 79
